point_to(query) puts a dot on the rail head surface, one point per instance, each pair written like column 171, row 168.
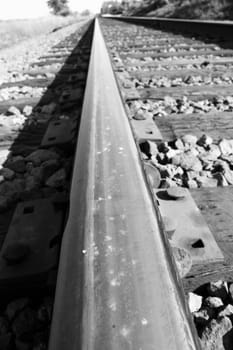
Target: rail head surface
column 116, row 287
column 221, row 29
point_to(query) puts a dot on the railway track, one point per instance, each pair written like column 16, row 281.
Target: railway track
column 139, row 210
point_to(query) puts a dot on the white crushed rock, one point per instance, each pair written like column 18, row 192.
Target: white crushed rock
column 18, row 57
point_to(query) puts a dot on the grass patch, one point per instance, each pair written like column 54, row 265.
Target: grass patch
column 14, row 31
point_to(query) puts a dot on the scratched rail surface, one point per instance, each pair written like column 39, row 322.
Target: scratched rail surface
column 117, row 285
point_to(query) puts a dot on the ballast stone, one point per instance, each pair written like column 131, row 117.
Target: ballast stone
column 17, row 164
column 15, row 306
column 205, row 141
column 41, row 155
column 7, row 173
column 13, row 111
column 49, row 109
column 57, row 180
column 226, row 147
column 218, row 289
column 189, row 161
column 44, row 312
column 203, row 316
column 213, row 302
column 204, row 181
column 24, row 323
column 4, row 154
column 212, row 336
column 27, row 111
column 190, row 140
column 227, row 311
column 194, row 302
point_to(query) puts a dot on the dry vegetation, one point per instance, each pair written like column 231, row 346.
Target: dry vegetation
column 198, row 9
column 14, row 31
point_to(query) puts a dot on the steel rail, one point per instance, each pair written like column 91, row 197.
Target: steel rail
column 117, row 288
column 221, row 29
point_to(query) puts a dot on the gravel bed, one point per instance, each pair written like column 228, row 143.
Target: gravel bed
column 24, row 324
column 18, row 58
column 191, row 162
column 29, row 172
column 157, row 48
column 205, row 66
column 16, row 92
column 212, row 308
column 15, row 77
column 189, row 80
column 149, row 59
column 184, row 105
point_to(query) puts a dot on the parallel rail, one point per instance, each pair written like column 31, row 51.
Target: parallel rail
column 211, row 28
column 117, row 286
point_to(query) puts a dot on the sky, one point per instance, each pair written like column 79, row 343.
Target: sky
column 10, row 9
